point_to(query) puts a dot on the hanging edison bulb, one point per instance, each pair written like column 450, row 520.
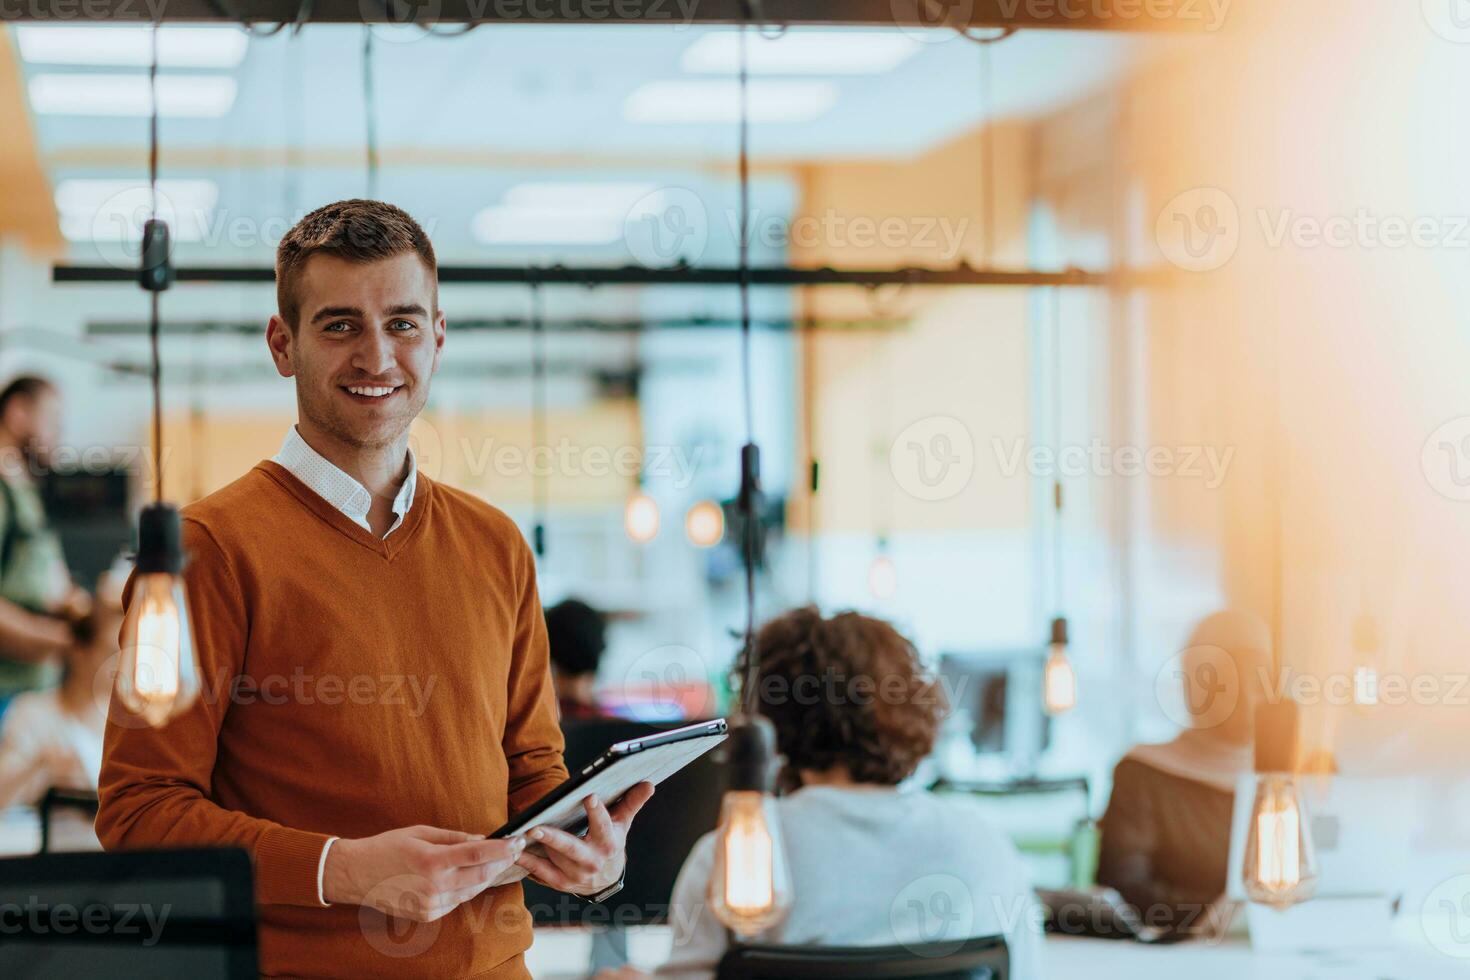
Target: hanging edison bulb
column 705, row 524
column 640, row 518
column 1058, row 680
column 1280, row 862
column 158, row 675
column 883, row 577
column 750, row 884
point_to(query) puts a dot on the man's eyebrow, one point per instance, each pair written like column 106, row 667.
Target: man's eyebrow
column 334, row 312
column 408, row 309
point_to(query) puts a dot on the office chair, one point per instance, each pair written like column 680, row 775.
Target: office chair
column 982, row 958
column 80, row 800
column 129, row 916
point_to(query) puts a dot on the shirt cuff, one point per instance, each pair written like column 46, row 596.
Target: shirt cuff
column 321, row 872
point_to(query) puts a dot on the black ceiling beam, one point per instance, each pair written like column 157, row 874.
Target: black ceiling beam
column 635, row 275
column 514, row 324
column 978, row 15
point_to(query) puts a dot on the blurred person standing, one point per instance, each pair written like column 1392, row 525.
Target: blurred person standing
column 39, row 604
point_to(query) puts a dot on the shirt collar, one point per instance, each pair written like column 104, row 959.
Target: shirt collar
column 334, row 486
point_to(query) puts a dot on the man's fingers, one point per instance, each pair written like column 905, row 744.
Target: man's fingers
column 438, row 835
column 599, row 823
column 472, row 853
column 573, row 848
column 546, row 872
column 627, row 808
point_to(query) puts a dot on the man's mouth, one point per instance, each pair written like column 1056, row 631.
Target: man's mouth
column 371, row 393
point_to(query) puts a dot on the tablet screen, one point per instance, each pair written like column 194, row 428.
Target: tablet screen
column 654, row 764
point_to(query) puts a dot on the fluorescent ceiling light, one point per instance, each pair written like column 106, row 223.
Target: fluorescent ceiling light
column 113, row 210
column 690, row 101
column 804, row 53
column 566, row 213
column 178, row 47
column 502, row 224
column 198, row 96
column 617, row 197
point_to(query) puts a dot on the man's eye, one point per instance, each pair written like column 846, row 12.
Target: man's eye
column 404, row 325
column 341, row 326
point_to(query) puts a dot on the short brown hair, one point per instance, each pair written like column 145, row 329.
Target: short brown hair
column 848, row 690
column 358, row 231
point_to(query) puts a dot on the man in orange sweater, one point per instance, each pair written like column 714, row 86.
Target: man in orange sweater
column 374, row 659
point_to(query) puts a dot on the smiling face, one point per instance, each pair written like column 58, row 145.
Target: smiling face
column 366, row 342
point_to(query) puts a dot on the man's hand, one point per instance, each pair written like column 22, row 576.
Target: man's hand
column 417, row 873
column 587, row 865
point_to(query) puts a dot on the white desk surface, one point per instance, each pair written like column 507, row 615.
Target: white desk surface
column 562, row 953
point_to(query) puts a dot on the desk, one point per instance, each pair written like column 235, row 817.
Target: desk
column 561, row 954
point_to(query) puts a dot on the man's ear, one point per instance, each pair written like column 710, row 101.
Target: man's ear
column 441, row 330
column 279, row 339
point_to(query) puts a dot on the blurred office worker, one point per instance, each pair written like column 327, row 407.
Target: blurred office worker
column 1166, row 832
column 855, row 713
column 39, row 604
column 53, row 738
column 376, row 687
column 577, row 635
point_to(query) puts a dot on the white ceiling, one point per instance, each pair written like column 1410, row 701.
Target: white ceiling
column 481, row 113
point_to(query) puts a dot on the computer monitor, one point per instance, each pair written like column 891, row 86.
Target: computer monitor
column 1000, row 691
column 129, row 916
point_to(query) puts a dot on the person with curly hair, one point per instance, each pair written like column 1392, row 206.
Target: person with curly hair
column 872, row 862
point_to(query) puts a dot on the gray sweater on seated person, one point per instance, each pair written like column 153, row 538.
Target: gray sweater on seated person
column 874, row 866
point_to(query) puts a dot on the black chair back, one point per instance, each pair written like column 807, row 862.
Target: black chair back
column 982, row 958
column 686, row 806
column 58, row 798
column 138, row 914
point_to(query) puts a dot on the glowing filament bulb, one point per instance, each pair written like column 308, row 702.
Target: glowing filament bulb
column 640, row 518
column 1279, row 863
column 750, row 889
column 1059, row 682
column 156, row 677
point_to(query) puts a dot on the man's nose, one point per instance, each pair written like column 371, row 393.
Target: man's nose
column 374, row 353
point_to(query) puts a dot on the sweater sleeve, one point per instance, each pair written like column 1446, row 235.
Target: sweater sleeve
column 533, row 741
column 155, row 784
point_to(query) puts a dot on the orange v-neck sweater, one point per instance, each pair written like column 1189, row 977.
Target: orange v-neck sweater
column 351, row 685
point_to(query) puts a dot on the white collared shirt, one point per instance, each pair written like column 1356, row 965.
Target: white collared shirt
column 336, row 487
column 353, row 499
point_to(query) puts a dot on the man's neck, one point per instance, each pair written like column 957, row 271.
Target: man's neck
column 381, row 470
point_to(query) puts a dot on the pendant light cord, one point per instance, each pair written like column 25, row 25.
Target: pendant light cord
column 156, row 365
column 744, row 244
column 370, row 124
column 1056, row 423
column 750, row 506
column 538, row 414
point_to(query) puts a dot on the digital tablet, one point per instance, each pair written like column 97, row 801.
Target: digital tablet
column 651, row 759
